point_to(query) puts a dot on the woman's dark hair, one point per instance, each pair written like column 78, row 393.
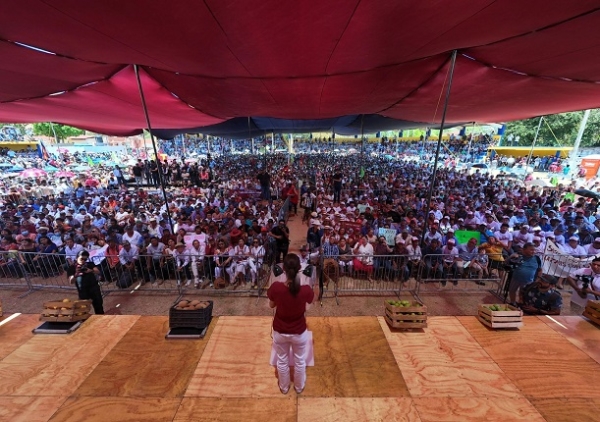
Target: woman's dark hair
column 291, row 266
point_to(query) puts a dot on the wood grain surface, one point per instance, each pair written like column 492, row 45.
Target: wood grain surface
column 145, row 364
column 231, row 409
column 29, row 409
column 541, row 362
column 535, row 338
column 570, row 409
column 579, row 331
column 476, row 409
column 235, row 362
column 57, row 364
column 16, row 332
column 352, row 359
column 117, row 409
column 444, row 360
column 358, row 409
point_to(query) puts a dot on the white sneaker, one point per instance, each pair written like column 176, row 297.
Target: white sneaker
column 187, row 283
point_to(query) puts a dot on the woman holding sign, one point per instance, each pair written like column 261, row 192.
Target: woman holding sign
column 289, row 299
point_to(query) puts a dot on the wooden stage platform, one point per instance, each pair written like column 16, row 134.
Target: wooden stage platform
column 121, row 368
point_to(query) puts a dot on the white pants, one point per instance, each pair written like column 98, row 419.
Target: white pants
column 282, row 344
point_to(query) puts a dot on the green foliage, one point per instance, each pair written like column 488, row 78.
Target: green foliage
column 62, row 131
column 556, row 130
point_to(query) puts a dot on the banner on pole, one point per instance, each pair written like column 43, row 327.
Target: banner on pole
column 559, row 264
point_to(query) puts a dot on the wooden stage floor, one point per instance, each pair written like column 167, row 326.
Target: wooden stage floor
column 121, row 368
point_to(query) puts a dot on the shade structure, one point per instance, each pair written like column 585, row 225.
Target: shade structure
column 292, row 65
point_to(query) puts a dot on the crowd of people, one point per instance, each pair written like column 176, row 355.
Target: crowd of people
column 223, row 220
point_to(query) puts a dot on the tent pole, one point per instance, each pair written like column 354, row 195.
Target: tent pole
column 537, row 132
column 161, row 179
column 439, row 143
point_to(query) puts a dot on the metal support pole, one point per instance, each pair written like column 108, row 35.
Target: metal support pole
column 537, row 132
column 439, row 144
column 161, row 179
column 575, row 150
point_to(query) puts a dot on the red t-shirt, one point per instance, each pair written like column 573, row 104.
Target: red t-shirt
column 289, row 314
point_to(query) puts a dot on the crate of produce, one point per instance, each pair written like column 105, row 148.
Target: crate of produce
column 404, row 314
column 190, row 314
column 500, row 316
column 592, row 311
column 66, row 310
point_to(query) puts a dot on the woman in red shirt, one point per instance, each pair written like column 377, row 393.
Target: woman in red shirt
column 289, row 324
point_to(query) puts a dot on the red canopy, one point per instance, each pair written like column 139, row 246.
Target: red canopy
column 206, row 62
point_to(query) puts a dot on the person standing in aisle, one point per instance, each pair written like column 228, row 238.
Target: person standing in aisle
column 289, row 299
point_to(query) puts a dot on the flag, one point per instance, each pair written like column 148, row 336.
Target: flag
column 90, row 162
column 362, row 172
column 42, row 151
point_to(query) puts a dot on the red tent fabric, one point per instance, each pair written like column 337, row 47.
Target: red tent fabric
column 294, row 60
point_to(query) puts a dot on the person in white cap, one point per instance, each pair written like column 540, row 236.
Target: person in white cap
column 449, row 258
column 518, row 218
column 594, row 247
column 521, row 237
column 573, row 247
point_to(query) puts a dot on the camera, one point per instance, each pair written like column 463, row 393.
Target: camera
column 585, row 279
column 513, row 263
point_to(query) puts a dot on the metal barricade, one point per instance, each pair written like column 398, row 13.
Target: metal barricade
column 382, row 275
column 13, row 271
column 455, row 273
column 284, row 211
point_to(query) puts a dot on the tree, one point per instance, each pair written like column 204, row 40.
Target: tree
column 556, row 129
column 60, row 131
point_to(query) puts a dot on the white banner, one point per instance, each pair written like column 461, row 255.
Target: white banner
column 557, row 263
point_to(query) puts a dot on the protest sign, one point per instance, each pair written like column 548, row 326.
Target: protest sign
column 389, row 234
column 560, row 264
column 463, row 236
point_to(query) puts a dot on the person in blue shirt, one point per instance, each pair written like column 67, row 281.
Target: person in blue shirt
column 529, row 268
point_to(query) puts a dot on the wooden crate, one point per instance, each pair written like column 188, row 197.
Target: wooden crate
column 592, row 311
column 400, row 316
column 512, row 318
column 58, row 311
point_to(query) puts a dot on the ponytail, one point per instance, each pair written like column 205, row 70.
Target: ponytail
column 291, row 266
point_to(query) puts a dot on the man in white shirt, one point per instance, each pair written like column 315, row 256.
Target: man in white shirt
column 196, row 253
column 133, row 237
column 522, row 236
column 573, row 247
column 155, row 252
column 71, row 251
column 182, row 264
column 129, row 257
column 594, row 247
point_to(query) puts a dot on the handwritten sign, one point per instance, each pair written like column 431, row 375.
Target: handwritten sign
column 389, row 234
column 559, row 264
